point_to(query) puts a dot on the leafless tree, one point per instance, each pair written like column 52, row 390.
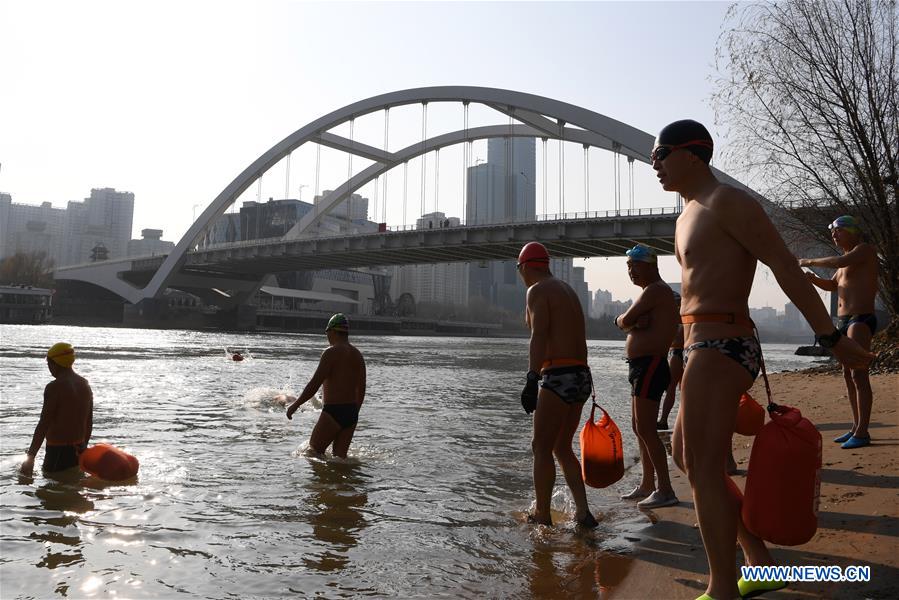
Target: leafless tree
column 807, row 91
column 29, row 268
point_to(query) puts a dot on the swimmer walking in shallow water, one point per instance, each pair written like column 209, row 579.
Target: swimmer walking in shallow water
column 557, row 365
column 67, row 417
column 341, row 371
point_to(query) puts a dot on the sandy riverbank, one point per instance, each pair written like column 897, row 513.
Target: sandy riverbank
column 858, row 514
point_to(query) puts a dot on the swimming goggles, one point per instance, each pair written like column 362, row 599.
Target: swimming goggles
column 662, row 151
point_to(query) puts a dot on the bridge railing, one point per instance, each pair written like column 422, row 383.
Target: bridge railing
column 567, row 216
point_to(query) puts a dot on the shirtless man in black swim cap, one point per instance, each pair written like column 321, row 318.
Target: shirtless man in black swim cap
column 720, row 236
column 342, row 372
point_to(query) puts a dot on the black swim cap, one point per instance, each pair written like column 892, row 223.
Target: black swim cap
column 682, row 132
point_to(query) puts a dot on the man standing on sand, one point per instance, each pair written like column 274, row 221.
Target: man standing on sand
column 557, row 360
column 721, row 234
column 856, row 285
column 67, row 417
column 651, row 323
column 342, row 372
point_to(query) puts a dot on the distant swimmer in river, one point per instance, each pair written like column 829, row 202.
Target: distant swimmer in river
column 66, row 420
column 341, row 371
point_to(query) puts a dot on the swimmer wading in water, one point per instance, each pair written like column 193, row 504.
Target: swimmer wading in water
column 341, row 372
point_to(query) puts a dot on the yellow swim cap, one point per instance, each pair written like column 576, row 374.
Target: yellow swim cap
column 62, row 354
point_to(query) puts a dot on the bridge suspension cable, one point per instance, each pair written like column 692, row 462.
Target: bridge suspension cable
column 424, row 155
column 405, row 189
column 630, row 176
column 386, row 149
column 318, row 168
column 543, row 176
column 349, row 176
column 287, row 175
column 466, row 163
column 586, row 178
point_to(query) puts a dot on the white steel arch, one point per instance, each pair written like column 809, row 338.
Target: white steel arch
column 542, row 117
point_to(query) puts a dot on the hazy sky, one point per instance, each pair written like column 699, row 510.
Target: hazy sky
column 172, row 100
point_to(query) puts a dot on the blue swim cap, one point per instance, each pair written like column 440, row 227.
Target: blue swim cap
column 642, row 253
column 846, row 222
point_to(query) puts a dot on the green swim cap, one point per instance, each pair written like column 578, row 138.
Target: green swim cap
column 338, row 322
column 642, row 253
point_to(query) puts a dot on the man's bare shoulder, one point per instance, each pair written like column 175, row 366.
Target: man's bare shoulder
column 867, row 249
column 728, row 197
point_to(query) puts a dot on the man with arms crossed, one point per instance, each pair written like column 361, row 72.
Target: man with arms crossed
column 651, row 323
column 720, row 235
column 342, row 371
column 67, row 417
column 557, row 360
column 855, row 283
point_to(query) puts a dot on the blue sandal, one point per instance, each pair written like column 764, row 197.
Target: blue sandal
column 843, row 438
column 856, row 442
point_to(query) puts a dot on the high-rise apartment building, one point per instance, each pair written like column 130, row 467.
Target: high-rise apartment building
column 503, row 190
column 68, row 235
column 31, row 229
column 442, row 283
column 106, row 218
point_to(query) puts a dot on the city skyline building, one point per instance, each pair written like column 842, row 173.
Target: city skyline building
column 68, row 235
column 441, row 283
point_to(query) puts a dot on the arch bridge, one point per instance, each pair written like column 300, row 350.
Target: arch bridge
column 241, row 267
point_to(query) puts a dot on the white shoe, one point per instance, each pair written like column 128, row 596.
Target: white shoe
column 657, row 500
column 636, row 494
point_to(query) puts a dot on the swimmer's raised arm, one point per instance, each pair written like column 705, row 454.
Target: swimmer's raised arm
column 745, row 220
column 858, row 255
column 318, row 378
column 828, row 285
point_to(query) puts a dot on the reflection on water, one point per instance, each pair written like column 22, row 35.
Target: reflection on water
column 431, row 503
column 337, row 497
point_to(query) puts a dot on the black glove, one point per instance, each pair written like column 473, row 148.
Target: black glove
column 529, row 393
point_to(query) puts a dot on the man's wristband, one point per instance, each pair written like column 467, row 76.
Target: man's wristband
column 830, row 340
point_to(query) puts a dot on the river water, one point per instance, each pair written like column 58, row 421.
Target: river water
column 226, row 506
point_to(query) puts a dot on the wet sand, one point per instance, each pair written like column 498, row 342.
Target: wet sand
column 858, row 520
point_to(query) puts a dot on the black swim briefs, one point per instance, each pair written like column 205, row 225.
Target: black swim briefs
column 346, row 415
column 59, row 458
column 868, row 319
column 649, row 376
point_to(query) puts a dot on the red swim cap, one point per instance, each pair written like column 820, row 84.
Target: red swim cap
column 534, row 252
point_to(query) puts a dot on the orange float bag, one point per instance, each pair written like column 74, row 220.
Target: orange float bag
column 602, row 458
column 750, row 416
column 783, row 481
column 108, row 462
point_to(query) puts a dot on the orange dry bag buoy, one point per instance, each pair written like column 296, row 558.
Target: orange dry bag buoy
column 602, row 459
column 780, row 504
column 750, row 416
column 108, row 462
